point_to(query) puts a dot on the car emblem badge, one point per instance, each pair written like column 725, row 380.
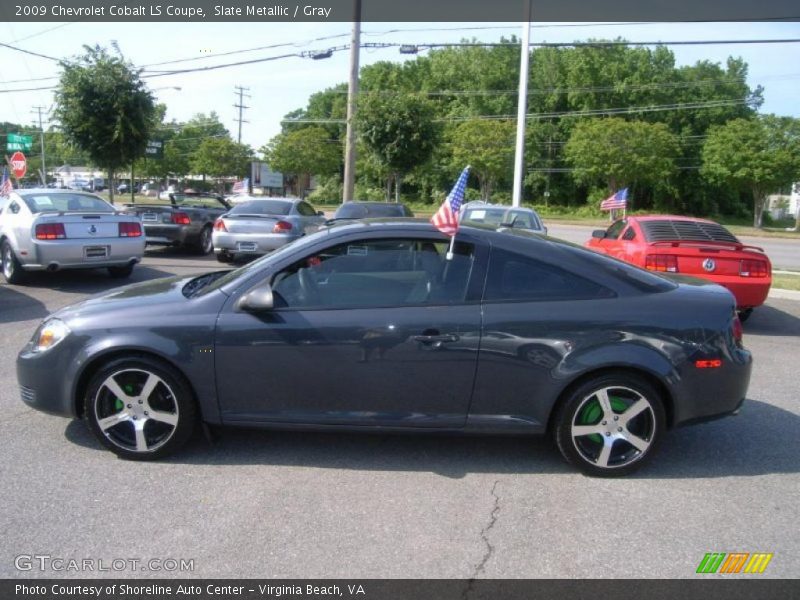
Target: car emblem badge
column 709, row 264
column 92, row 229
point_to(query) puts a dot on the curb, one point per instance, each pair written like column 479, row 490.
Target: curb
column 784, row 294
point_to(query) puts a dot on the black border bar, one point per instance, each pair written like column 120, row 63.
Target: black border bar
column 397, row 10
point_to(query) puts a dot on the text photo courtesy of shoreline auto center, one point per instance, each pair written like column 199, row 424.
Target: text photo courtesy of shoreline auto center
column 366, row 299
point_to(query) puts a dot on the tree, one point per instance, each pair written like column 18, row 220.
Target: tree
column 221, row 157
column 182, row 140
column 308, row 150
column 622, row 153
column 104, row 109
column 755, row 155
column 399, row 130
column 488, row 147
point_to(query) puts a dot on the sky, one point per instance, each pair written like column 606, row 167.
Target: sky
column 280, row 86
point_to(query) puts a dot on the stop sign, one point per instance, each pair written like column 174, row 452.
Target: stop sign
column 19, row 166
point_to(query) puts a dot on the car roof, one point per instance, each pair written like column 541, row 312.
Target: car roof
column 667, row 218
column 372, row 203
column 44, row 190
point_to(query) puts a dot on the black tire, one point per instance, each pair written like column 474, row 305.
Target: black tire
column 607, row 452
column 120, row 272
column 745, row 314
column 12, row 269
column 224, row 257
column 115, row 421
column 205, row 244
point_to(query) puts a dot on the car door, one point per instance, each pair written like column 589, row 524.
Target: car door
column 371, row 331
column 610, row 244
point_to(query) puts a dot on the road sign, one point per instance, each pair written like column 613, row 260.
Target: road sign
column 19, row 166
column 154, row 149
column 18, row 142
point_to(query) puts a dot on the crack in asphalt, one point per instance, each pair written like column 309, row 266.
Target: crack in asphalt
column 479, row 568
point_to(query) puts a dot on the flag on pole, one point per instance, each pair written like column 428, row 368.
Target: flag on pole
column 446, row 218
column 615, row 201
column 6, row 186
column 240, row 187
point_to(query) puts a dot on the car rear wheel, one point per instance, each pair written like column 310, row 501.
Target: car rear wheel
column 205, row 243
column 12, row 269
column 139, row 408
column 610, row 425
column 120, row 272
column 745, row 314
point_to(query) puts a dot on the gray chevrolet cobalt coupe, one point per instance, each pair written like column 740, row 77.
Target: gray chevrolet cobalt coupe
column 370, row 327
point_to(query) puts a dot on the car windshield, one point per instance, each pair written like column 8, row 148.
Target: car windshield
column 262, row 207
column 352, row 210
column 61, row 202
column 200, row 201
column 244, row 271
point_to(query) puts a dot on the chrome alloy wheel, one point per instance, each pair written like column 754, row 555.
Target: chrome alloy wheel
column 206, row 241
column 613, row 427
column 8, row 262
column 136, row 410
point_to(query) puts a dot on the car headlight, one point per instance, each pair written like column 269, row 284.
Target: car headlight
column 50, row 333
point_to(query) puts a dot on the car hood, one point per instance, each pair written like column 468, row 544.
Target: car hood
column 128, row 303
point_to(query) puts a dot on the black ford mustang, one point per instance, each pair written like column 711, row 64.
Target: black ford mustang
column 372, row 326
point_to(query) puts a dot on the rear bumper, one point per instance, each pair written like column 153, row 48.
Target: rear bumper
column 250, row 243
column 748, row 293
column 167, row 235
column 72, row 253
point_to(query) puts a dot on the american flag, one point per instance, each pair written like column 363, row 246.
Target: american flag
column 446, row 218
column 616, row 200
column 241, row 186
column 5, row 186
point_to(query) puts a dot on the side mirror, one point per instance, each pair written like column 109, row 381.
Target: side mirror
column 600, row 234
column 256, row 300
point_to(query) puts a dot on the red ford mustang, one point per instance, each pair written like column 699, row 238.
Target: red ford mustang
column 690, row 246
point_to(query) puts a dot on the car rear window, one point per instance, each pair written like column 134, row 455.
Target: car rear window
column 66, row 203
column 262, row 207
column 668, row 230
column 363, row 211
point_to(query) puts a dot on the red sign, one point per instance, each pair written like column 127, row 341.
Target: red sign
column 19, row 166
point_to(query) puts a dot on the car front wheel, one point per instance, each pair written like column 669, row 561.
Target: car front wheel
column 610, row 425
column 140, row 408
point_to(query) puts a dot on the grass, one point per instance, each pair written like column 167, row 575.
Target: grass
column 786, row 281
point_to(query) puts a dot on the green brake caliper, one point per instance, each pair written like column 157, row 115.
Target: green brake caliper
column 592, row 413
column 119, row 404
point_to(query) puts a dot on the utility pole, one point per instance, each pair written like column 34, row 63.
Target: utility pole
column 348, row 192
column 241, row 91
column 39, row 110
column 522, row 105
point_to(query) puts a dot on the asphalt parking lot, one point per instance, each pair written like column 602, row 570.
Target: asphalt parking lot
column 264, row 504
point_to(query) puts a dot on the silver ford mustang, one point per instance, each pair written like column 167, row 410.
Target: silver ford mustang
column 50, row 229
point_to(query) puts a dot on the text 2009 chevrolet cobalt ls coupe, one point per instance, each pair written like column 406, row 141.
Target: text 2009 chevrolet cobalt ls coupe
column 370, row 327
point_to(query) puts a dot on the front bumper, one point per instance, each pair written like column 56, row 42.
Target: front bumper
column 46, row 379
column 77, row 253
column 250, row 243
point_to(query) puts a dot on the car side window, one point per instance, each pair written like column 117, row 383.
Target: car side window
column 629, row 234
column 306, row 210
column 376, row 273
column 516, row 277
column 612, row 233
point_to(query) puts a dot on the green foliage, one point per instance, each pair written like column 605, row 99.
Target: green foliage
column 398, row 131
column 182, row 140
column 758, row 155
column 622, row 153
column 488, row 147
column 104, row 108
column 222, row 157
column 307, row 150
